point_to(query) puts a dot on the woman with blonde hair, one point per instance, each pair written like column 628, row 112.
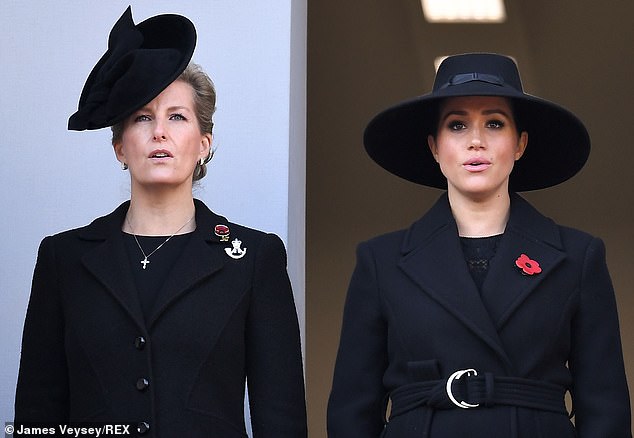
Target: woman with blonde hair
column 156, row 314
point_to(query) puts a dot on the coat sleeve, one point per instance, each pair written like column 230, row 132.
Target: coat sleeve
column 599, row 393
column 42, row 389
column 274, row 361
column 355, row 407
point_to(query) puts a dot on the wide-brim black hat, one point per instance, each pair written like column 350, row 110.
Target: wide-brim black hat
column 141, row 61
column 558, row 142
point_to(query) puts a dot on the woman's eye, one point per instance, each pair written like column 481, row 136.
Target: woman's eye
column 177, row 117
column 456, row 125
column 496, row 124
column 142, row 118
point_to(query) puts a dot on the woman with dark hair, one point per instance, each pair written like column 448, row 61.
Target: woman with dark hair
column 477, row 320
column 158, row 313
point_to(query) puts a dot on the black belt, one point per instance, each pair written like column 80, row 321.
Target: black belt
column 484, row 390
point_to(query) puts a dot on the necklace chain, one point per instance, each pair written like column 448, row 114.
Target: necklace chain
column 145, row 260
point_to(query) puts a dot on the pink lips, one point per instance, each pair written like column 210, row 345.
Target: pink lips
column 160, row 154
column 476, row 164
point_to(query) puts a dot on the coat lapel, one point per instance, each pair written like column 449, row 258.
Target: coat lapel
column 109, row 263
column 433, row 259
column 200, row 259
column 527, row 232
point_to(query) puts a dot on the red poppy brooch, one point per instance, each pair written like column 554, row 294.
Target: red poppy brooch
column 222, row 231
column 528, row 266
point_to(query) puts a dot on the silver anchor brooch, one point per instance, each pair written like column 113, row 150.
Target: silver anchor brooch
column 236, row 252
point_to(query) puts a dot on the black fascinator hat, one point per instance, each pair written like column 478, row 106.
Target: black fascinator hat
column 141, row 61
column 558, row 142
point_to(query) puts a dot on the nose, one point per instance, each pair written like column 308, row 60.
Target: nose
column 159, row 132
column 476, row 142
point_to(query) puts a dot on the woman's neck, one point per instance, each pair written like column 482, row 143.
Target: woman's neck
column 484, row 218
column 159, row 215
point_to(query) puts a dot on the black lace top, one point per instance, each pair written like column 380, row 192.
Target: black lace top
column 478, row 252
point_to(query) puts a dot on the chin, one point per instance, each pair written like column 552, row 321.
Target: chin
column 480, row 190
column 165, row 181
column 481, row 193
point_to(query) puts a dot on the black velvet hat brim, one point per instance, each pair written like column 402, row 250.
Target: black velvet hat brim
column 141, row 61
column 558, row 142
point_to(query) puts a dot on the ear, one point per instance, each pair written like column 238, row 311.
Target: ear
column 431, row 143
column 521, row 145
column 205, row 145
column 118, row 151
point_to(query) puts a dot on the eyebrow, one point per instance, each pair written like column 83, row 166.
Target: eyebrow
column 178, row 108
column 169, row 110
column 486, row 112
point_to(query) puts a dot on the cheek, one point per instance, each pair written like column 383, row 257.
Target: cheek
column 193, row 146
column 446, row 152
column 132, row 136
column 513, row 151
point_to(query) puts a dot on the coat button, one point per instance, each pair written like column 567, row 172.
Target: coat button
column 142, row 384
column 143, row 427
column 139, row 342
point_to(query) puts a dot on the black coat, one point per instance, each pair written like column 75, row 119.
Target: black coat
column 413, row 316
column 216, row 321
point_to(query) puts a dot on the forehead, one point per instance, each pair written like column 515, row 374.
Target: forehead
column 475, row 104
column 178, row 93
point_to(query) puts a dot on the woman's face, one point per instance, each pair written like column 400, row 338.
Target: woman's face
column 162, row 142
column 476, row 145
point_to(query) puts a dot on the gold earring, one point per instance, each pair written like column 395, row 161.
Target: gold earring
column 208, row 158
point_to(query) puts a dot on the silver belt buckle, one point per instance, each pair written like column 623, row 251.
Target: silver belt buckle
column 456, row 376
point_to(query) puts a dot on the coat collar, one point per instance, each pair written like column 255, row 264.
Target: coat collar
column 106, row 226
column 109, row 262
column 524, row 219
column 432, row 257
